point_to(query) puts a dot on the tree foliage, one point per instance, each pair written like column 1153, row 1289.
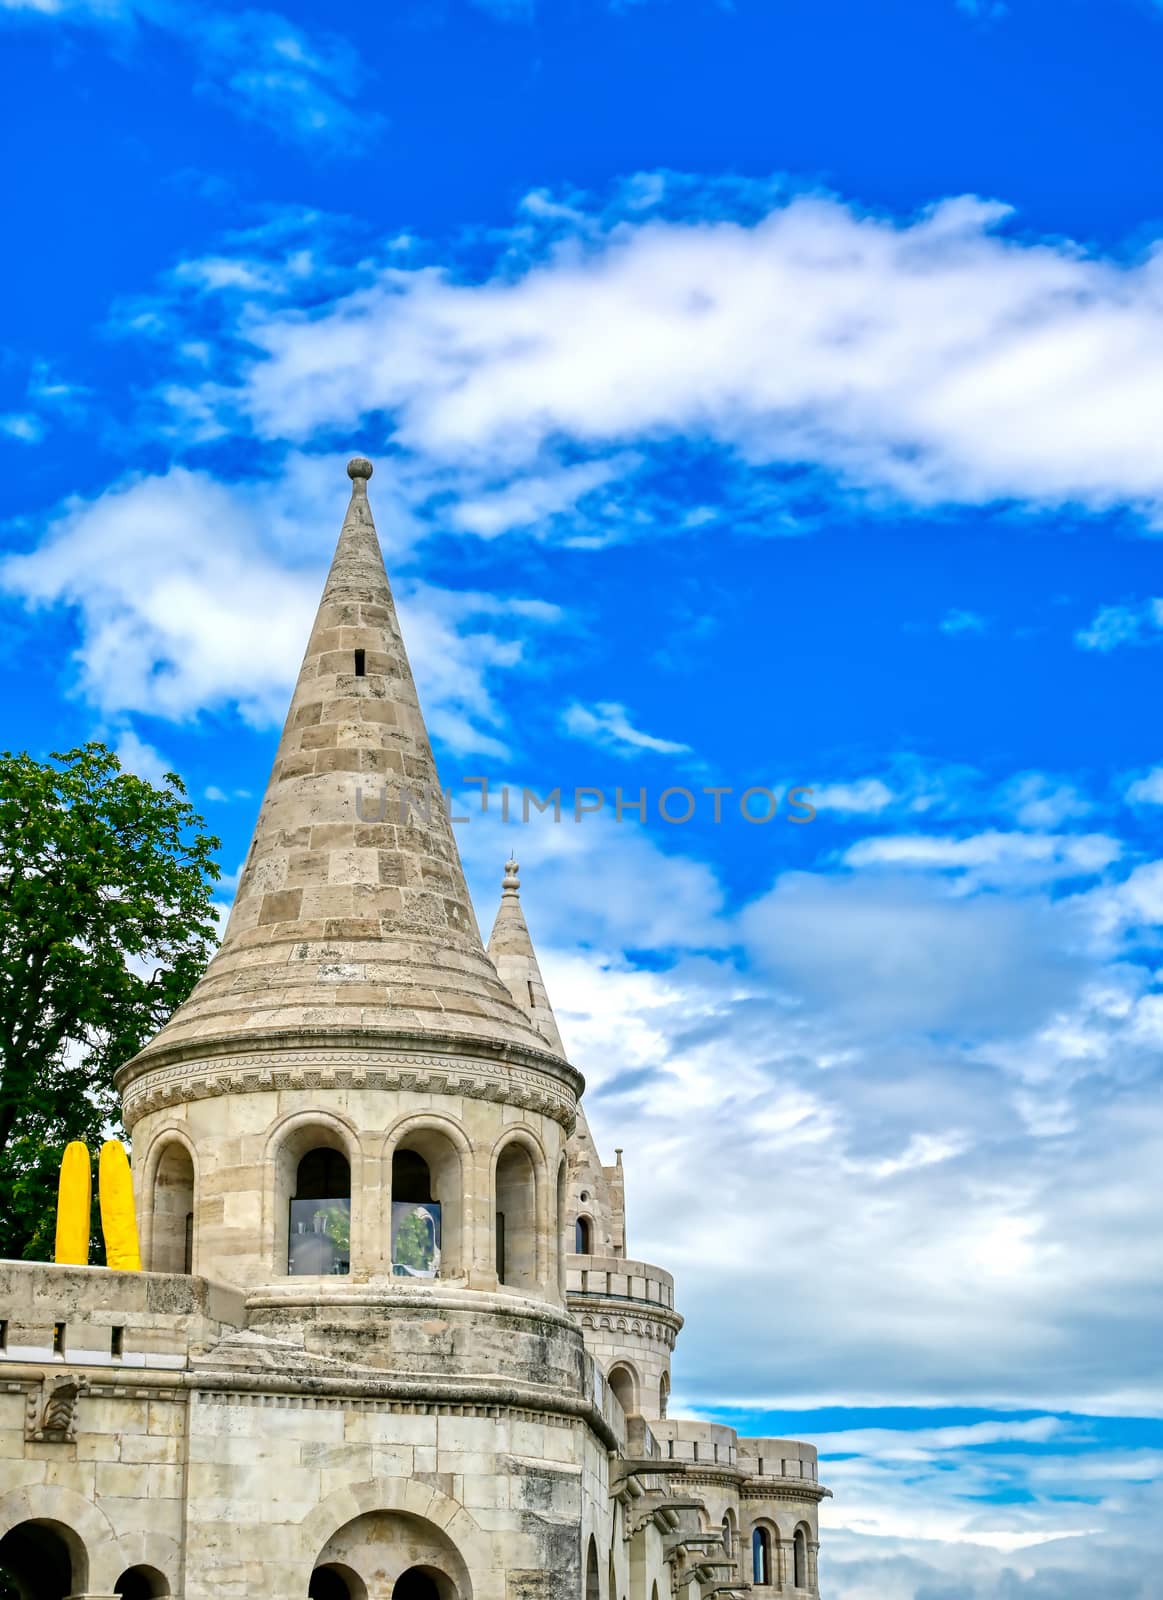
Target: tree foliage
column 106, row 923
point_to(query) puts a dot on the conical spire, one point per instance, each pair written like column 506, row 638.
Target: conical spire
column 352, row 912
column 512, row 953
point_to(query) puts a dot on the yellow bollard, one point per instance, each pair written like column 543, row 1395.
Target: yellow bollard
column 118, row 1220
column 74, row 1206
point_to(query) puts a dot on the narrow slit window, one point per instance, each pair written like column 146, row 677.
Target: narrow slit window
column 532, row 1000
column 117, row 1343
column 3, row 1335
column 360, row 663
column 58, row 1338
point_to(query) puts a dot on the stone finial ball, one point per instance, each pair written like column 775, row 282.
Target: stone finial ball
column 359, row 467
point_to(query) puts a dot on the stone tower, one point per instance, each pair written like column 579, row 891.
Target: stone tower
column 388, row 1344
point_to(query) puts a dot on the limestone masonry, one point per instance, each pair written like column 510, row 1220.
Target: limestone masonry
column 390, row 1341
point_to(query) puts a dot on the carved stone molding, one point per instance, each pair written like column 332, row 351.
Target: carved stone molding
column 660, row 1329
column 475, row 1079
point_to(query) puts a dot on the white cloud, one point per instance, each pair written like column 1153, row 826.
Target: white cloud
column 194, row 594
column 1146, row 790
column 1039, row 801
column 137, row 756
column 991, row 857
column 607, row 724
column 1113, row 626
column 535, row 500
column 929, row 359
column 23, row 426
column 861, row 797
column 956, row 621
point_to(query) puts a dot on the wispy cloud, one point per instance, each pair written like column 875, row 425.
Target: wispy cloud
column 956, row 621
column 608, row 725
column 1112, row 626
column 257, row 62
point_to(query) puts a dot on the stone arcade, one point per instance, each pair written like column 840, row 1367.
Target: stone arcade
column 390, row 1341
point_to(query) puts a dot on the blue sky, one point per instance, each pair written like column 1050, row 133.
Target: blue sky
column 764, row 394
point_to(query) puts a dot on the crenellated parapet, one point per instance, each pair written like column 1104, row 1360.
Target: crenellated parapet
column 627, row 1316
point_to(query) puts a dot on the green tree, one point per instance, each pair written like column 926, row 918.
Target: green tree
column 106, row 923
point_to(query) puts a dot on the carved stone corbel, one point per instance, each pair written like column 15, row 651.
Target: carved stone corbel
column 50, row 1412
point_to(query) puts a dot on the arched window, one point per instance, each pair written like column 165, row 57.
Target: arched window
column 582, row 1237
column 728, row 1546
column 760, row 1558
column 420, row 1583
column 593, row 1589
column 562, row 1245
column 625, row 1387
column 334, row 1581
column 516, row 1218
column 800, row 1548
column 663, row 1395
column 319, row 1236
column 141, row 1583
column 427, row 1189
column 416, row 1218
column 172, row 1239
column 44, row 1559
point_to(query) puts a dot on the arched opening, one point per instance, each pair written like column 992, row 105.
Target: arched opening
column 761, row 1558
column 800, row 1558
column 141, row 1583
column 415, row 1218
column 319, row 1227
column 334, row 1581
column 516, row 1218
column 172, row 1239
column 426, row 1205
column 583, row 1237
column 562, row 1242
column 423, row 1583
column 663, row 1395
column 624, row 1386
column 728, row 1537
column 42, row 1561
column 593, row 1586
column 403, row 1555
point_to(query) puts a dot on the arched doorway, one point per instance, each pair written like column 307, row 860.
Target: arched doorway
column 172, row 1239
column 42, row 1561
column 141, row 1583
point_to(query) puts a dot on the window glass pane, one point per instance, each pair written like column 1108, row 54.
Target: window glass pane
column 415, row 1238
column 320, row 1237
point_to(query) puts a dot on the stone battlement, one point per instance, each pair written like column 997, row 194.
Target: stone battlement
column 614, row 1278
